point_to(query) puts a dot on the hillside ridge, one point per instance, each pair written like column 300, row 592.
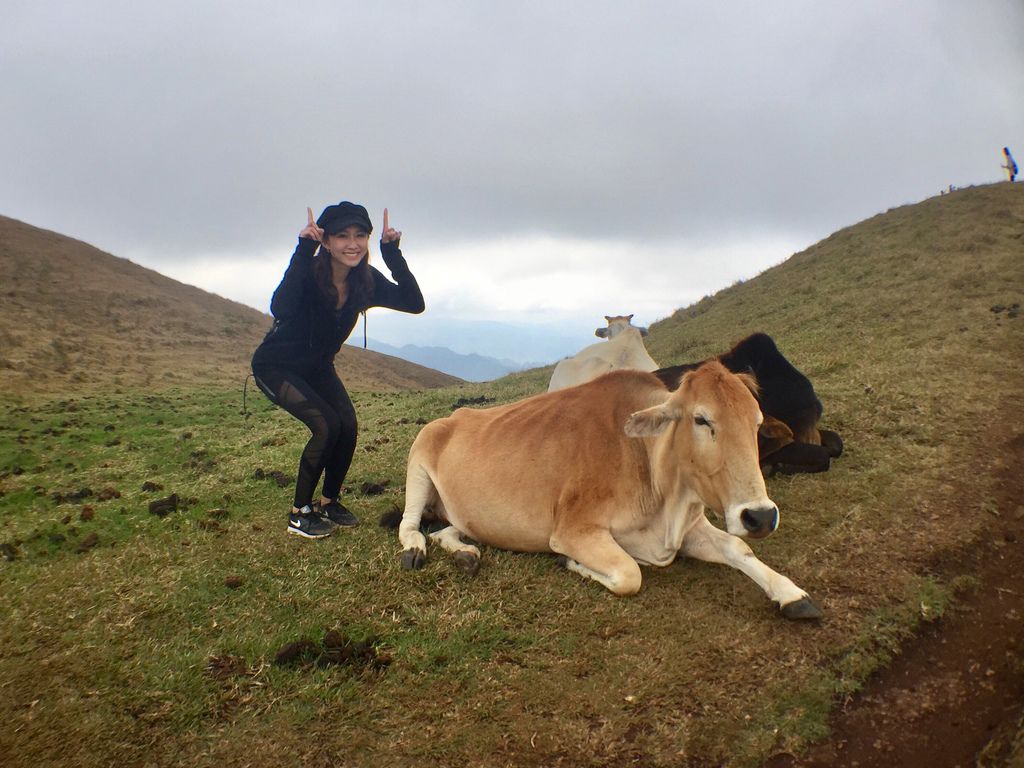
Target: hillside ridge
column 801, row 299
column 75, row 317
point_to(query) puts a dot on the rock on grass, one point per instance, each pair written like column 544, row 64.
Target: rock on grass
column 336, row 649
column 282, row 480
column 373, row 489
column 163, row 507
column 297, row 653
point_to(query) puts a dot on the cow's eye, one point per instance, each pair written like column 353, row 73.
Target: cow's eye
column 700, row 421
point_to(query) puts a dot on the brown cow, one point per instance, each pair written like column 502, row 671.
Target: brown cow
column 610, row 474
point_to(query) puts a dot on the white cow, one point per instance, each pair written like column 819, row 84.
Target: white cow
column 624, row 349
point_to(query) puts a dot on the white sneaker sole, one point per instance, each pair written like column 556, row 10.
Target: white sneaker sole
column 303, row 534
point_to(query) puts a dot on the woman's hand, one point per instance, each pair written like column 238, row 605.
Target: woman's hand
column 312, row 232
column 389, row 235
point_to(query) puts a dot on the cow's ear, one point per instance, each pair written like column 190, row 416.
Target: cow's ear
column 601, row 332
column 651, row 421
column 774, row 429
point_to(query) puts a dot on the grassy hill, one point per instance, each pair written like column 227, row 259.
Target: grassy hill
column 74, row 318
column 137, row 639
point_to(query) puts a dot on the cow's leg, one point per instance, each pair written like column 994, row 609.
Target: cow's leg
column 705, row 542
column 419, row 494
column 467, row 557
column 799, row 457
column 594, row 553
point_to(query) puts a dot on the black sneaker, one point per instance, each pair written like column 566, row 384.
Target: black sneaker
column 308, row 524
column 339, row 514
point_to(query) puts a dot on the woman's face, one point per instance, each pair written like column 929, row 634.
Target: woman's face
column 350, row 246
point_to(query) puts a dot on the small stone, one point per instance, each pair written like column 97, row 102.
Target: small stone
column 334, row 639
column 163, row 507
column 282, row 480
column 373, row 489
column 295, row 653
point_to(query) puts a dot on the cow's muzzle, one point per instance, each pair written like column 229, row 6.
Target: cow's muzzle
column 760, row 521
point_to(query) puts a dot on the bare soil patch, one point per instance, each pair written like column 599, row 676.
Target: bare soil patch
column 955, row 696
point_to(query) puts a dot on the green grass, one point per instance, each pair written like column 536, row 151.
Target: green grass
column 109, row 653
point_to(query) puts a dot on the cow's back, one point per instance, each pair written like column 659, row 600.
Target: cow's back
column 786, row 393
column 625, row 351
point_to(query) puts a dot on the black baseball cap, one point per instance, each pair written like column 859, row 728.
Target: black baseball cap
column 336, row 217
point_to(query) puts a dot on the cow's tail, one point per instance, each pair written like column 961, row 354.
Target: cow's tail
column 429, row 521
column 420, row 498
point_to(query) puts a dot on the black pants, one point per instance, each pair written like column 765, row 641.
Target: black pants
column 319, row 401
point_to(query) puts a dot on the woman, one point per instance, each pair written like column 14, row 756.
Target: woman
column 315, row 308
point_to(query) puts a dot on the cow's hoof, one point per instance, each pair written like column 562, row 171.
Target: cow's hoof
column 831, row 442
column 414, row 559
column 467, row 562
column 801, row 609
column 562, row 561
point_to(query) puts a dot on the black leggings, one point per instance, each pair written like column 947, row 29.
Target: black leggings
column 321, row 403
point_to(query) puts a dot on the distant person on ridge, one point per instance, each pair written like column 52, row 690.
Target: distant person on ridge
column 327, row 284
column 1010, row 166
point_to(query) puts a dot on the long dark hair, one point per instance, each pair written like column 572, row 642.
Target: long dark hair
column 359, row 280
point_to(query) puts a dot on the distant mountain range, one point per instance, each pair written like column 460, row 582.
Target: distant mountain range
column 517, row 344
column 471, row 367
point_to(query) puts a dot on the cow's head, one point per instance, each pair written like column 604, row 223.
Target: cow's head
column 708, row 440
column 616, row 325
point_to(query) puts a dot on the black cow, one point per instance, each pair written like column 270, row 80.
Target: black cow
column 787, row 395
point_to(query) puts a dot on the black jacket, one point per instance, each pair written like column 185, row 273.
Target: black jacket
column 307, row 331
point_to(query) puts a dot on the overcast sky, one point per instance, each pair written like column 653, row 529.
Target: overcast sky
column 547, row 162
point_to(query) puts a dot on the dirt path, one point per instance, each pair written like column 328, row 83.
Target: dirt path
column 955, row 697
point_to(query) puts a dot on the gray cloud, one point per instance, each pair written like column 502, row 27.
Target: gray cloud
column 170, row 129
